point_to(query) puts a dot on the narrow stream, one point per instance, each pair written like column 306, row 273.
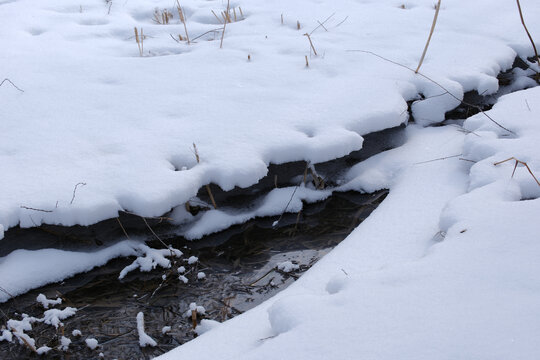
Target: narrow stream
column 238, row 264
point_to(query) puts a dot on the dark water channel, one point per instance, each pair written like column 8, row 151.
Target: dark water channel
column 238, row 265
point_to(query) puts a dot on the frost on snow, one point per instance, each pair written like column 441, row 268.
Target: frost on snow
column 144, row 339
column 47, row 302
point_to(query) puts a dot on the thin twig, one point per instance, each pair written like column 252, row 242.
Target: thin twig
column 438, row 7
column 122, row 227
column 311, row 43
column 322, row 24
column 432, row 160
column 75, row 191
column 515, row 166
column 30, row 208
column 224, row 26
column 12, row 84
column 439, row 85
column 528, row 34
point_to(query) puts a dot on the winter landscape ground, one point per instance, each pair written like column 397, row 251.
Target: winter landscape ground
column 135, row 106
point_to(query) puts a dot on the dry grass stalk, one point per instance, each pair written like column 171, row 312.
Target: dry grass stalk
column 234, row 13
column 208, row 190
column 437, row 8
column 515, row 166
column 249, row 57
column 194, row 318
column 311, row 43
column 139, row 39
column 307, row 62
column 122, row 227
column 162, row 17
column 241, row 13
column 528, row 33
column 217, row 17
column 281, row 19
column 297, row 25
column 182, row 19
column 224, row 25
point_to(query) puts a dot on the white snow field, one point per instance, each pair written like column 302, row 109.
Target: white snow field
column 445, row 268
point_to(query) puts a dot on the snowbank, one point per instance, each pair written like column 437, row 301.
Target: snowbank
column 100, row 128
column 445, row 268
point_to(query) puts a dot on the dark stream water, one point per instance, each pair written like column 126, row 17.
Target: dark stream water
column 238, row 264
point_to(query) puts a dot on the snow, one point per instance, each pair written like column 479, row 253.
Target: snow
column 183, row 279
column 444, row 268
column 144, row 339
column 53, row 316
column 287, row 266
column 165, row 330
column 65, row 342
column 29, row 269
column 192, row 260
column 91, row 343
column 43, row 350
column 151, row 259
column 42, row 299
column 201, row 275
column 457, row 266
column 194, row 307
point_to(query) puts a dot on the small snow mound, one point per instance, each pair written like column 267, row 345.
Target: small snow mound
column 206, row 325
column 144, row 339
column 47, row 302
column 183, row 279
column 43, row 350
column 194, row 307
column 76, row 332
column 192, row 260
column 91, row 343
column 165, row 329
column 201, row 275
column 64, row 343
column 181, row 270
column 287, row 266
column 336, row 284
column 6, row 335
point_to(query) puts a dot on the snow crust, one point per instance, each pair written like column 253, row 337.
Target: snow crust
column 100, row 128
column 446, row 267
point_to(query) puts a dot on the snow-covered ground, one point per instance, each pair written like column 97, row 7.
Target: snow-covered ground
column 444, row 268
